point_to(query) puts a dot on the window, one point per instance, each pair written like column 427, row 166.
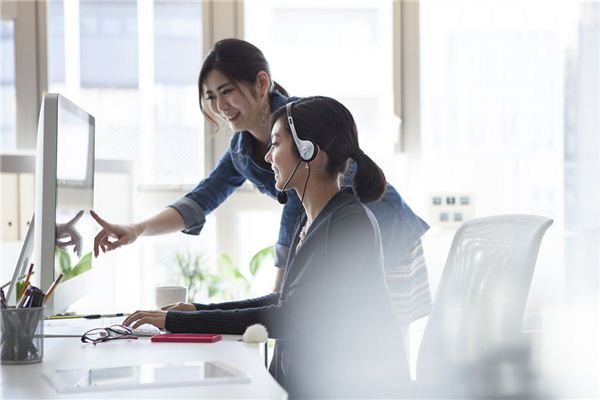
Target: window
column 109, row 43
column 8, row 137
column 133, row 65
column 509, row 100
column 178, row 55
column 492, row 81
column 337, row 49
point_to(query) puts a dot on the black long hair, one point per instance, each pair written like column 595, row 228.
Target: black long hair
column 330, row 125
column 238, row 60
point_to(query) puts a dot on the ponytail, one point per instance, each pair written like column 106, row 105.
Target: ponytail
column 280, row 89
column 369, row 180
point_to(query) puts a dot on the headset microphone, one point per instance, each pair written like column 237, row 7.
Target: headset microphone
column 282, row 196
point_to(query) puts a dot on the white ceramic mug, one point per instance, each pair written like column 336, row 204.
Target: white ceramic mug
column 169, row 295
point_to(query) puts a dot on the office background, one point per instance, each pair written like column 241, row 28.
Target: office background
column 494, row 104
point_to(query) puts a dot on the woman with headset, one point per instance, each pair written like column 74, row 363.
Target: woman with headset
column 337, row 335
column 235, row 86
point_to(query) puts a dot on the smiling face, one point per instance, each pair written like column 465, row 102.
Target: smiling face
column 235, row 102
column 283, row 157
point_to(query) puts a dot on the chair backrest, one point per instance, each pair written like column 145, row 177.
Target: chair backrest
column 482, row 293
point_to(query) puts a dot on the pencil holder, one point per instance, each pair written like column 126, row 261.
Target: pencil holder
column 21, row 335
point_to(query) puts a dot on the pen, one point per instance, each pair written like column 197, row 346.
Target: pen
column 59, row 316
column 23, row 291
column 24, row 297
column 19, row 278
column 52, row 287
column 96, row 316
column 91, row 316
column 26, row 282
column 29, row 272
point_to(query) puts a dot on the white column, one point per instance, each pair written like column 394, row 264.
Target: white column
column 30, row 70
column 145, row 13
column 221, row 19
column 72, row 50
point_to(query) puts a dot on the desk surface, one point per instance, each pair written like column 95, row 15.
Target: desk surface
column 27, row 381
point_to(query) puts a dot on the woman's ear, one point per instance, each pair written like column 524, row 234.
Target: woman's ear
column 263, row 83
column 321, row 159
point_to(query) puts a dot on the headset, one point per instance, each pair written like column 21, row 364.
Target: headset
column 306, row 148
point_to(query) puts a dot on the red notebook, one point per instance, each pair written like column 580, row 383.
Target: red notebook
column 187, row 337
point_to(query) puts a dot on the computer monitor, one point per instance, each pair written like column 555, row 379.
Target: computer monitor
column 64, row 193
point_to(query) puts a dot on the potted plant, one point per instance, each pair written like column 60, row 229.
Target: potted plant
column 228, row 283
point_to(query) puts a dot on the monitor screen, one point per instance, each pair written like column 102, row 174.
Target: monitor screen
column 64, row 229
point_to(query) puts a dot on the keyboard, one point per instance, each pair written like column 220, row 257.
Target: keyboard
column 146, row 330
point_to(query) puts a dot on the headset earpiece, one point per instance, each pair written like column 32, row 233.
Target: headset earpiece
column 306, row 148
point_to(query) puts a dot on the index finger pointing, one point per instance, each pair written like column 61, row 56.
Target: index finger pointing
column 74, row 220
column 99, row 220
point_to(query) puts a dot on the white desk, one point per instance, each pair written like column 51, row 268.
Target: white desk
column 27, row 381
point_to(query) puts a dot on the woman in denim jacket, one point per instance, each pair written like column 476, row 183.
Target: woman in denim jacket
column 235, row 85
column 337, row 335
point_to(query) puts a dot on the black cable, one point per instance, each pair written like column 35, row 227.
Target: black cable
column 305, row 184
column 282, row 196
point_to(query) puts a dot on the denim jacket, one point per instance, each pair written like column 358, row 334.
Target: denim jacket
column 400, row 228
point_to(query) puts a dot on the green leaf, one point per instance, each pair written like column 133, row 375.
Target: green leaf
column 84, row 265
column 64, row 262
column 264, row 255
column 20, row 289
column 214, row 279
column 212, row 290
column 225, row 261
column 199, row 276
column 233, row 272
column 237, row 274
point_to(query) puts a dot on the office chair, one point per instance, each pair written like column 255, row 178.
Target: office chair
column 481, row 297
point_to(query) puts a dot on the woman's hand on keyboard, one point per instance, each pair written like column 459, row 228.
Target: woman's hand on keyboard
column 156, row 318
column 179, row 307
